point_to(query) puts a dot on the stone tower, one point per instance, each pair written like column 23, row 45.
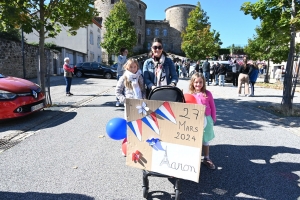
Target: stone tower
column 137, row 11
column 177, row 16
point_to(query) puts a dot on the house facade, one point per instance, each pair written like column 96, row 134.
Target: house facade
column 84, row 46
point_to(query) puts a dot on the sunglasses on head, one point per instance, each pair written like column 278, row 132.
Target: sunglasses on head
column 157, row 47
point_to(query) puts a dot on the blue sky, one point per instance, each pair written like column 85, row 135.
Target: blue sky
column 224, row 15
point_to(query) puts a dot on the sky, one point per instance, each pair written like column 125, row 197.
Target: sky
column 224, row 15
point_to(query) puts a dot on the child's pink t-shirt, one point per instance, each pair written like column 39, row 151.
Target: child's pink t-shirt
column 208, row 102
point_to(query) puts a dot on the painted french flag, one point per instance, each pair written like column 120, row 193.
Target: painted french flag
column 136, row 127
column 151, row 121
column 166, row 112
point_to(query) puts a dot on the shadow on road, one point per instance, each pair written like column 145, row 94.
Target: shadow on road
column 44, row 196
column 247, row 115
column 260, row 172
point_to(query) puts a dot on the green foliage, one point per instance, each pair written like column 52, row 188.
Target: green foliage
column 198, row 41
column 9, row 33
column 273, row 36
column 35, row 14
column 49, row 45
column 223, row 51
column 120, row 31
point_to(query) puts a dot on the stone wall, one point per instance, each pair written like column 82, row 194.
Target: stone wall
column 11, row 60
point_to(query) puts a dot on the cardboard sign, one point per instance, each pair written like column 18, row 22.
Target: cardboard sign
column 165, row 137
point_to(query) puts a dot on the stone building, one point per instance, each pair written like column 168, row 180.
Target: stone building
column 168, row 29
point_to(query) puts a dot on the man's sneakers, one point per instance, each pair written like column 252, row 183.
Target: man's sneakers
column 117, row 104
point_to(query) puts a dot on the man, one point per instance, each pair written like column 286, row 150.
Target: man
column 206, row 69
column 197, row 67
column 216, row 69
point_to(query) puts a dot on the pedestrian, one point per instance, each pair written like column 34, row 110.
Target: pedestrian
column 68, row 75
column 234, row 74
column 187, row 66
column 222, row 72
column 216, row 68
column 159, row 70
column 183, row 70
column 211, row 72
column 253, row 74
column 278, row 73
column 122, row 58
column 206, row 70
column 131, row 83
column 197, row 67
column 244, row 77
column 204, row 97
column 176, row 67
column 282, row 74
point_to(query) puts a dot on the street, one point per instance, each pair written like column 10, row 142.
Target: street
column 60, row 153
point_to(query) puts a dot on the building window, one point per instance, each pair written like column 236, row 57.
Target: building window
column 98, row 42
column 91, row 56
column 91, row 38
column 148, row 46
column 148, row 31
column 112, row 1
column 99, row 59
column 164, row 45
column 140, row 20
column 98, row 30
column 140, row 6
column 156, row 32
column 139, row 38
column 165, row 32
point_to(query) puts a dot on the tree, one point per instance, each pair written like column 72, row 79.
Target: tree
column 198, row 42
column 277, row 23
column 46, row 19
column 120, row 31
column 267, row 45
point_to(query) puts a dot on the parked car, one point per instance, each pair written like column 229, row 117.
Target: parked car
column 19, row 97
column 114, row 66
column 94, row 69
column 227, row 64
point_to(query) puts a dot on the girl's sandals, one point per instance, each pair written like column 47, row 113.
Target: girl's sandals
column 208, row 163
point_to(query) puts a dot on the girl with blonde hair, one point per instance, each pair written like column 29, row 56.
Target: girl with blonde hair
column 131, row 83
column 204, row 97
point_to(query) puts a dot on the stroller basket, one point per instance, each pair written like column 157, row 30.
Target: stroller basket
column 167, row 93
column 163, row 93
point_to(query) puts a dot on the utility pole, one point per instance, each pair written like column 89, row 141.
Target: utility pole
column 23, row 55
column 286, row 102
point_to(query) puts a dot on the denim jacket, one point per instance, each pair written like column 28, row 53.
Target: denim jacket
column 149, row 72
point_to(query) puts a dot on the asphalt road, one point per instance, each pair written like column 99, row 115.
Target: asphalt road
column 60, row 153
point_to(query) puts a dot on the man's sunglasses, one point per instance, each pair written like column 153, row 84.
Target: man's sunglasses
column 157, row 47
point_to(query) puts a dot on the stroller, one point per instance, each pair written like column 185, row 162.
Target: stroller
column 163, row 93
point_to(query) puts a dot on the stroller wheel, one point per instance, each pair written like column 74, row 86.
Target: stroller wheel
column 145, row 192
column 177, row 194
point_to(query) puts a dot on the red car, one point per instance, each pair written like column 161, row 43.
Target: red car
column 19, row 97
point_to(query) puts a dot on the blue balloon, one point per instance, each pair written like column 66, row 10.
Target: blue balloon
column 116, row 128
